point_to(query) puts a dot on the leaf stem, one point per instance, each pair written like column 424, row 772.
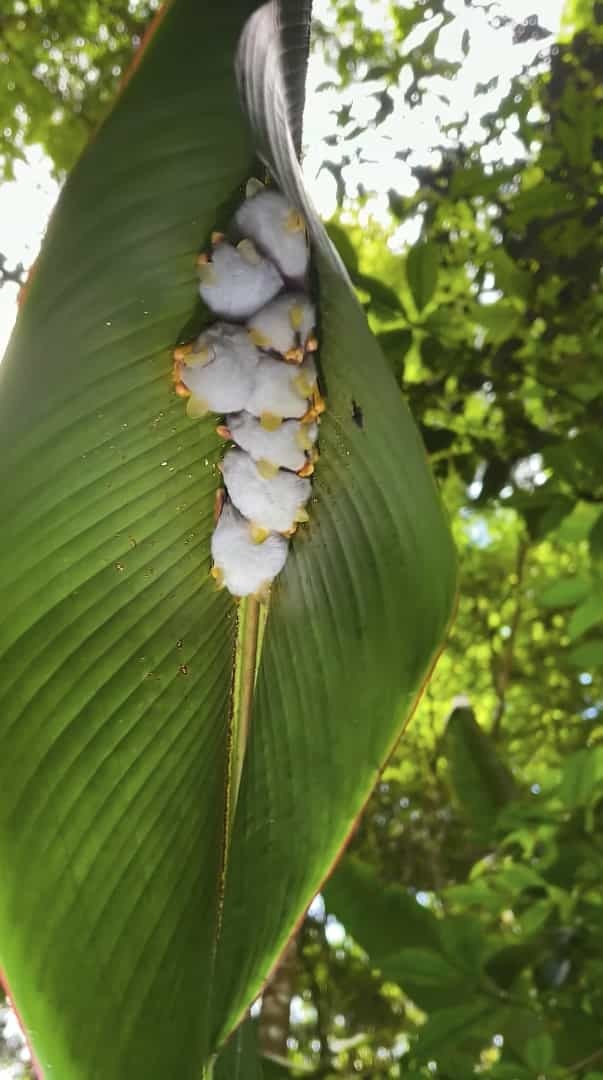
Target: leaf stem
column 250, row 627
column 247, row 657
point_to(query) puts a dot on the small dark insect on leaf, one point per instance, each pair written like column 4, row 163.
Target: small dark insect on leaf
column 357, row 414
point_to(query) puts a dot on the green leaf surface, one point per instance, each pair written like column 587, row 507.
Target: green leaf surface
column 271, row 1070
column 240, row 1059
column 448, row 1027
column 401, row 937
column 381, row 918
column 509, row 1072
column 463, row 943
column 421, row 967
column 356, row 617
column 509, row 278
column 507, row 964
column 595, row 538
column 565, row 593
column 582, row 776
column 589, row 655
column 115, row 652
column 120, row 939
column 422, row 266
column 481, row 782
column 534, row 918
column 577, row 1029
column 381, row 295
column 540, row 1052
column 345, row 248
column 588, row 614
column 395, row 345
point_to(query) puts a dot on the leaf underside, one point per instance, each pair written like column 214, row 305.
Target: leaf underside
column 116, row 652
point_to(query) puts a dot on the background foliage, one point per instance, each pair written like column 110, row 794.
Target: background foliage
column 463, row 930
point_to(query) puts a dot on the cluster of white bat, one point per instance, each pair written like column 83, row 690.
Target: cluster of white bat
column 255, row 367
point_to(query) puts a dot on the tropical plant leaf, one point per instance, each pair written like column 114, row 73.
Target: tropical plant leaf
column 356, row 617
column 116, row 653
column 482, row 783
column 422, row 267
column 240, row 1059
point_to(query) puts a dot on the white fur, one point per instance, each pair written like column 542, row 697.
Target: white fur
column 282, row 447
column 265, row 218
column 225, row 383
column 276, row 388
column 275, row 325
column 233, row 286
column 246, row 566
column 272, row 503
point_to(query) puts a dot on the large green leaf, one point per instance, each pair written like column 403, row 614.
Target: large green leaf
column 240, row 1059
column 116, row 653
column 357, row 616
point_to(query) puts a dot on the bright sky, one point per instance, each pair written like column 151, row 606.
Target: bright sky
column 26, row 203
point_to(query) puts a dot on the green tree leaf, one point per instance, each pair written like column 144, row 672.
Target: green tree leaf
column 347, row 251
column 509, row 1072
column 115, row 650
column 115, row 654
column 509, row 278
column 582, row 775
column 505, row 965
column 382, row 295
column 565, row 593
column 481, row 781
column 240, row 1059
column 401, row 937
column 447, row 1027
column 382, row 918
column 422, row 264
column 463, row 943
column 588, row 614
column 395, row 345
column 540, row 1053
column 595, row 538
column 422, row 967
column 589, row 655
